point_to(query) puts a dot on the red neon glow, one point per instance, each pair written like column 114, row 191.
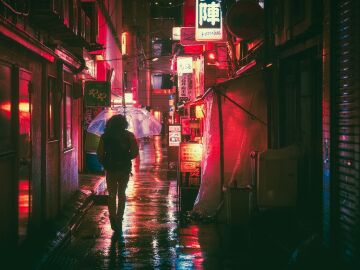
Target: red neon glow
column 245, row 68
column 211, row 56
column 23, row 206
column 34, row 48
column 196, row 49
column 5, row 110
column 189, row 12
column 23, row 107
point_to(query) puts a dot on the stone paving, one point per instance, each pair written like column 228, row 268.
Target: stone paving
column 156, row 236
column 153, row 236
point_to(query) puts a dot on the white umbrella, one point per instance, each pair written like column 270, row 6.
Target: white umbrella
column 141, row 122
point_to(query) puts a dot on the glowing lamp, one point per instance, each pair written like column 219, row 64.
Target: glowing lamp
column 124, row 43
column 199, row 112
column 210, row 58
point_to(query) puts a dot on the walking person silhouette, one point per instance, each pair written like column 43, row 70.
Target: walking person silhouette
column 117, row 147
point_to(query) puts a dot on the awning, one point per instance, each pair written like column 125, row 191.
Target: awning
column 234, row 126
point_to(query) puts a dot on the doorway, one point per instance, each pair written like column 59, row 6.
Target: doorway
column 300, row 124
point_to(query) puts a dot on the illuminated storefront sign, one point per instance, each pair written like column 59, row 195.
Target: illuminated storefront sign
column 184, row 65
column 208, row 20
column 185, row 87
column 187, row 37
column 199, row 111
column 191, row 152
column 174, row 135
column 176, row 33
column 190, row 157
column 129, row 98
column 124, row 43
column 185, row 125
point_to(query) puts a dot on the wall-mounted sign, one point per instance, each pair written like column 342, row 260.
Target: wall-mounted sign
column 97, row 94
column 174, row 135
column 187, row 37
column 185, row 125
column 189, row 166
column 184, row 65
column 190, row 151
column 199, row 111
column 176, row 33
column 185, row 86
column 208, row 20
column 124, row 43
column 190, row 156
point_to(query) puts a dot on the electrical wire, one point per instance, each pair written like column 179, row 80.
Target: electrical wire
column 14, row 10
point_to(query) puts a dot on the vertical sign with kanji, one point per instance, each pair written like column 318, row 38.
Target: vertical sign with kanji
column 208, row 20
column 185, row 87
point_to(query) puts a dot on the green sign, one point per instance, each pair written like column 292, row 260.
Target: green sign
column 97, row 94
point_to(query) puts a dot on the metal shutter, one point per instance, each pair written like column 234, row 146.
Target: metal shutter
column 346, row 124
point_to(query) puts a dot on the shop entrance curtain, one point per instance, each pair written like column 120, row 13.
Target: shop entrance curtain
column 244, row 117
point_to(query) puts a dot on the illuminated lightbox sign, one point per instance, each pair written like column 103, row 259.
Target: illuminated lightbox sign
column 190, row 156
column 208, row 20
column 184, row 65
column 176, row 33
column 185, row 87
column 191, row 152
column 174, row 135
column 185, row 125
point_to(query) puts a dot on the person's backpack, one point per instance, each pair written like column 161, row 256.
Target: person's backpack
column 117, row 152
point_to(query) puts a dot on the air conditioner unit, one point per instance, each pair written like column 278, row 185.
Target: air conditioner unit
column 277, row 177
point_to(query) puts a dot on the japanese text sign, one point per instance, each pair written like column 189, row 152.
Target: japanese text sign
column 208, row 20
column 174, row 135
column 185, row 87
column 191, row 152
column 97, row 94
column 184, row 65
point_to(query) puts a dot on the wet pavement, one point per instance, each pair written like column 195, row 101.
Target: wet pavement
column 154, row 236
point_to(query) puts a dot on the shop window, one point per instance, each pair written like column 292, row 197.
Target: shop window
column 67, row 116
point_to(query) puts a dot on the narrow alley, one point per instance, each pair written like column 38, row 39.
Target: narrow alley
column 153, row 237
column 248, row 121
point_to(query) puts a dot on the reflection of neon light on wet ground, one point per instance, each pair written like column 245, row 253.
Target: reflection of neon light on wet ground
column 23, row 206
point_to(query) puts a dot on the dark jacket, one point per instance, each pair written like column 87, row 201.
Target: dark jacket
column 115, row 152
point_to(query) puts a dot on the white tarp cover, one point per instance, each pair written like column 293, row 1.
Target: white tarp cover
column 242, row 135
column 141, row 122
